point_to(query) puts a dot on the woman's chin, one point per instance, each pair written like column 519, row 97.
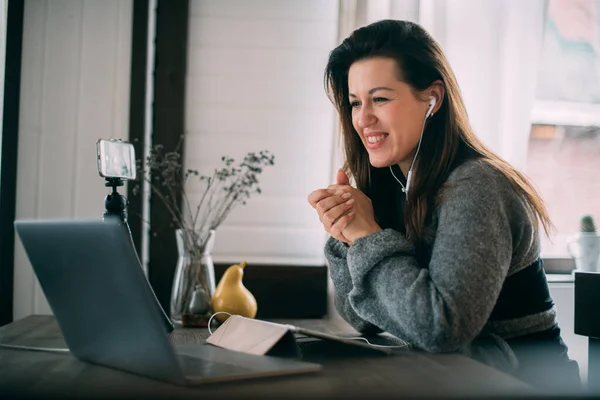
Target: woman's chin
column 378, row 162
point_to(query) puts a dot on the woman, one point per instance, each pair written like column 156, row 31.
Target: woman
column 438, row 243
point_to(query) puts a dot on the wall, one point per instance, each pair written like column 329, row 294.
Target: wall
column 74, row 90
column 255, row 81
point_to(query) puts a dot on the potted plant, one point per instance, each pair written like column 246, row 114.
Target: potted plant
column 228, row 186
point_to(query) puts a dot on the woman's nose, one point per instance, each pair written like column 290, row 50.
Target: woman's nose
column 365, row 117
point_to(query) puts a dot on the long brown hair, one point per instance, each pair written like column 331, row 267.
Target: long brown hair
column 448, row 139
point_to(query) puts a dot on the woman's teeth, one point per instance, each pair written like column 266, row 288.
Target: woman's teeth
column 375, row 139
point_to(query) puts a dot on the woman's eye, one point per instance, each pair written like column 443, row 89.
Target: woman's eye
column 379, row 99
column 354, row 104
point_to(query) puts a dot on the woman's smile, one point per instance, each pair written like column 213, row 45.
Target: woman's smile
column 375, row 140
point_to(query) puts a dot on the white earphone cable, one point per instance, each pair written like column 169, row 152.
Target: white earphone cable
column 418, row 148
column 392, row 171
column 409, row 175
column 404, row 345
column 212, row 316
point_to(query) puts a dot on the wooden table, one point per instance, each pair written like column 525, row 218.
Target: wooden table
column 406, row 373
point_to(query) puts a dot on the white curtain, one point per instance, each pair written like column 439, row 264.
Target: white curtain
column 494, row 49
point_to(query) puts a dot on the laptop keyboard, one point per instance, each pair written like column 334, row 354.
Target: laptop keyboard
column 193, row 366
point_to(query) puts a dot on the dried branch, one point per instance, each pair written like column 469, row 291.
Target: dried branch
column 228, row 187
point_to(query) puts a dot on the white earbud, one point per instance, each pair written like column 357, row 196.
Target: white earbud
column 431, row 105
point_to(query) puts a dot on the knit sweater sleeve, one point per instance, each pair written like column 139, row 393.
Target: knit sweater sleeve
column 336, row 253
column 443, row 306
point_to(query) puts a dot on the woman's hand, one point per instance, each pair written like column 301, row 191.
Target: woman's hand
column 363, row 221
column 337, row 207
column 335, row 211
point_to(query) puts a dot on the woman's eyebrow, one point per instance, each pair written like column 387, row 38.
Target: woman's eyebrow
column 374, row 90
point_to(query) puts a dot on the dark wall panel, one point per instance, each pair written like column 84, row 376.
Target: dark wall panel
column 8, row 169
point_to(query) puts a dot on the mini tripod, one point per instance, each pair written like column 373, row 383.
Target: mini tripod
column 114, row 202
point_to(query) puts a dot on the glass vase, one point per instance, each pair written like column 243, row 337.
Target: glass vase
column 194, row 280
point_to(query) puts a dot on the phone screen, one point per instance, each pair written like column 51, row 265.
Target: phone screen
column 116, row 159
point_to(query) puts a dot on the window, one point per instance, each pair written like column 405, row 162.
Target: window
column 255, row 82
column 564, row 145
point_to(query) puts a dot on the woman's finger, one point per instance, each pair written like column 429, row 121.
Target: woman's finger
column 329, row 203
column 317, row 195
column 338, row 188
column 329, row 217
column 339, row 236
column 340, row 225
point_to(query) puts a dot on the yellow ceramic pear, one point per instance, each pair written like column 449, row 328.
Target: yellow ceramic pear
column 231, row 295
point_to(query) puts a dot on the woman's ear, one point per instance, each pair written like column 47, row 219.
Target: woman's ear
column 438, row 91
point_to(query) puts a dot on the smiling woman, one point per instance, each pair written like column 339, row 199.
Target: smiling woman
column 449, row 260
column 384, row 110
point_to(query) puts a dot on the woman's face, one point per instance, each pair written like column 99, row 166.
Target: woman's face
column 385, row 112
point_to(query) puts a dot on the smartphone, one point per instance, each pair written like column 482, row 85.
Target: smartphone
column 116, row 159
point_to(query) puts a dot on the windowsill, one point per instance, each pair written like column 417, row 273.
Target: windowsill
column 558, row 265
column 559, row 269
column 560, row 278
column 565, row 113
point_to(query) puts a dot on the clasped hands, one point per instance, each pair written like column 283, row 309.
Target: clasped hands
column 345, row 212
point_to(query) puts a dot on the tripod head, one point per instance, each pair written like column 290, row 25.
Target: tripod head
column 114, row 202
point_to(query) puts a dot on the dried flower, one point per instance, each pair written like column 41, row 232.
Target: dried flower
column 223, row 191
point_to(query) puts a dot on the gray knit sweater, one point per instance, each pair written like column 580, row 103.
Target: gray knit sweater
column 483, row 233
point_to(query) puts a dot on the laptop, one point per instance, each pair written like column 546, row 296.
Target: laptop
column 108, row 314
